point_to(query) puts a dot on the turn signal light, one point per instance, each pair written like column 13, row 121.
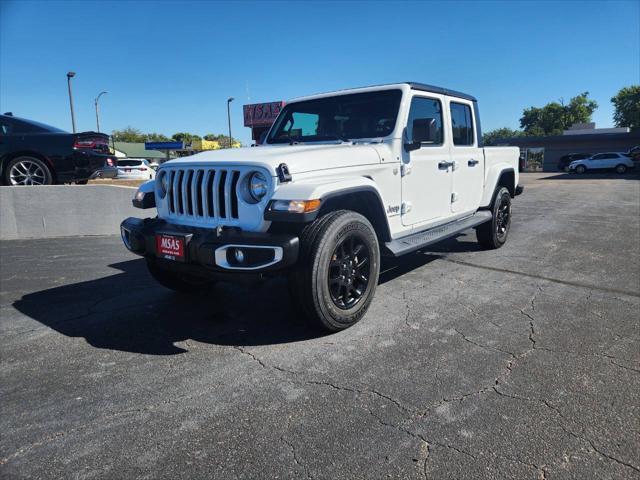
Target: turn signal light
column 295, row 206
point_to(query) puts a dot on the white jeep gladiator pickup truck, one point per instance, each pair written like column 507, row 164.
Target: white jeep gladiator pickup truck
column 341, row 179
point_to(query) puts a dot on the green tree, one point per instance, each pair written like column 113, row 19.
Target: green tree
column 555, row 117
column 128, row 134
column 490, row 138
column 222, row 139
column 627, row 107
column 185, row 137
column 156, row 137
column 580, row 109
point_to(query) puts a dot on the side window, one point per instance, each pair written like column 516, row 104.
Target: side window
column 461, row 124
column 600, row 156
column 426, row 108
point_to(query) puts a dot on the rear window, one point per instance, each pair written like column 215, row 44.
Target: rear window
column 462, row 124
column 129, row 163
column 29, row 126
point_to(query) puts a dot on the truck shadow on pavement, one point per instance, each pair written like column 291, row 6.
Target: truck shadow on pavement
column 129, row 312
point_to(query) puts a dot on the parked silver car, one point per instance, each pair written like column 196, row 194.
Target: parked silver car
column 620, row 162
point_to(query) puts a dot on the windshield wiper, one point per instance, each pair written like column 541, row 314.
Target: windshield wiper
column 337, row 137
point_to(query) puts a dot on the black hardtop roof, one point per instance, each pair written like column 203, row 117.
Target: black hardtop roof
column 443, row 91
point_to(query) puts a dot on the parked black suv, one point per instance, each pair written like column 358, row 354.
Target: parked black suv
column 32, row 153
column 565, row 160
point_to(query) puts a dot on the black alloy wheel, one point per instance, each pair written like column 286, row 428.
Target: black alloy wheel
column 503, row 218
column 349, row 271
column 493, row 234
column 336, row 276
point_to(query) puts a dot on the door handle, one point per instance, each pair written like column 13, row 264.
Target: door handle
column 472, row 162
column 445, row 165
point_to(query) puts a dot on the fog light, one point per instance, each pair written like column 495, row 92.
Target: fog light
column 239, row 255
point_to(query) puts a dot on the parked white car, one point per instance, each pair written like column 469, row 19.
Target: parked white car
column 135, row 169
column 619, row 162
column 341, row 179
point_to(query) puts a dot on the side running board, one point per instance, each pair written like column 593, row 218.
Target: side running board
column 421, row 239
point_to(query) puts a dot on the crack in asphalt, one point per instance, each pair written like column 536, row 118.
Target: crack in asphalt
column 568, row 430
column 289, row 444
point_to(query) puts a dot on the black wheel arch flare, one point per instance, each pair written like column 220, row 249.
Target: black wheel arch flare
column 362, row 199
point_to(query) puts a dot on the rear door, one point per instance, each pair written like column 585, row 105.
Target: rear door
column 426, row 179
column 601, row 160
column 467, row 158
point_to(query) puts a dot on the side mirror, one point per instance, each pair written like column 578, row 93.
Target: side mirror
column 424, row 130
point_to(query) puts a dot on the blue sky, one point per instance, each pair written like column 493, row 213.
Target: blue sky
column 170, row 66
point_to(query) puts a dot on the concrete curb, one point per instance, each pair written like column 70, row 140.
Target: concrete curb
column 64, row 210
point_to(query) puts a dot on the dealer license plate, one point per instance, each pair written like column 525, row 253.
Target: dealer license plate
column 170, row 247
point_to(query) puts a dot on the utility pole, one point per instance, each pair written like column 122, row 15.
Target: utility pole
column 229, row 100
column 97, row 117
column 70, row 75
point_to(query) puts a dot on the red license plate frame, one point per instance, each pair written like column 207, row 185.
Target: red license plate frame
column 171, row 247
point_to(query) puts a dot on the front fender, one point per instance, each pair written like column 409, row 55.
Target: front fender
column 360, row 194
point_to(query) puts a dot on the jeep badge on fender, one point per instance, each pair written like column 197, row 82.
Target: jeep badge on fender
column 310, row 202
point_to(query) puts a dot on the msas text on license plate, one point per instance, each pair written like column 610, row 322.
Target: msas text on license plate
column 170, row 247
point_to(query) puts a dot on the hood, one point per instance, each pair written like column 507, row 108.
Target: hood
column 299, row 158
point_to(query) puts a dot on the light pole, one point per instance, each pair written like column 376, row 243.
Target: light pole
column 70, row 75
column 229, row 100
column 97, row 117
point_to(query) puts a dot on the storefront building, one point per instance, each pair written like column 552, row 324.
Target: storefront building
column 544, row 153
column 260, row 116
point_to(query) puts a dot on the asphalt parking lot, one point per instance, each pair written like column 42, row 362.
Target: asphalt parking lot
column 517, row 363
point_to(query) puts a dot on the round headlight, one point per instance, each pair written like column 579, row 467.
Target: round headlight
column 258, row 186
column 163, row 184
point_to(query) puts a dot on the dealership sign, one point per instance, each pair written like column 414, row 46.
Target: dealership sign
column 261, row 114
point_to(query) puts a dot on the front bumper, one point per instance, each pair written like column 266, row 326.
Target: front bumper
column 212, row 251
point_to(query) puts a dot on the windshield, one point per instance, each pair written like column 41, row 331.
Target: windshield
column 343, row 117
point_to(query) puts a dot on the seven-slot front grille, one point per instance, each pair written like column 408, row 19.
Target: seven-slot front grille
column 203, row 192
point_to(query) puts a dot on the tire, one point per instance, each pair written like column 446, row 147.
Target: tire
column 581, row 169
column 176, row 281
column 338, row 269
column 621, row 168
column 493, row 234
column 27, row 171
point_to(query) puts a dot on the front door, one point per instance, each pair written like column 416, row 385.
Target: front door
column 467, row 158
column 426, row 180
